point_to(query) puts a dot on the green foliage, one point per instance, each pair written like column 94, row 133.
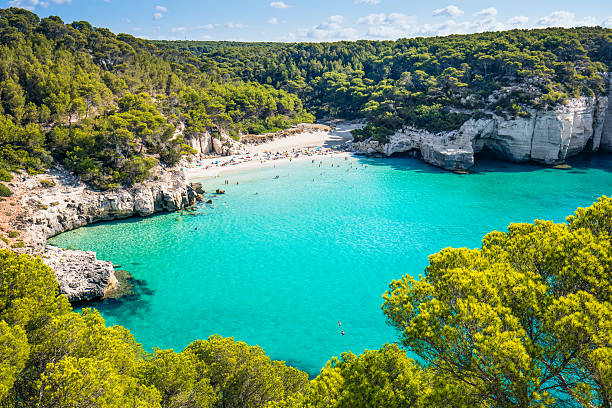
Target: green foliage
column 382, row 378
column 14, row 350
column 523, row 321
column 5, row 191
column 177, row 377
column 107, row 106
column 47, row 183
column 5, row 175
column 13, row 234
column 392, row 83
column 243, row 376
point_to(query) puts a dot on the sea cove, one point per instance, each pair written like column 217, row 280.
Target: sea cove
column 278, row 262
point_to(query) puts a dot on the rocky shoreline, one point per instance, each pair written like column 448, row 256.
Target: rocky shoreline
column 57, row 201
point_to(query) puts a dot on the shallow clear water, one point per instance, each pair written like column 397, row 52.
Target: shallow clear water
column 277, row 262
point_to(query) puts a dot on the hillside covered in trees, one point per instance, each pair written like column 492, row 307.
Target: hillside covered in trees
column 431, row 83
column 108, row 106
column 525, row 321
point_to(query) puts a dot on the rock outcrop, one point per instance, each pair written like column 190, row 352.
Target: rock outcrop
column 57, row 201
column 550, row 137
column 81, row 276
column 206, row 144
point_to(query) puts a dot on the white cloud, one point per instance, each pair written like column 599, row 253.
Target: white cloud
column 336, row 19
column 448, row 27
column 32, row 4
column 372, row 2
column 279, row 5
column 234, row 25
column 488, row 12
column 207, row 27
column 330, row 30
column 273, row 20
column 372, row 19
column 448, row 11
column 397, row 25
column 565, row 19
column 159, row 12
column 557, row 18
column 392, row 26
column 518, row 21
column 178, row 29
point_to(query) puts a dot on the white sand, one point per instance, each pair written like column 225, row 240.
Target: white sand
column 305, row 146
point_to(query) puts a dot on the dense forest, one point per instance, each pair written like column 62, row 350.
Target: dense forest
column 431, row 83
column 525, row 321
column 109, row 107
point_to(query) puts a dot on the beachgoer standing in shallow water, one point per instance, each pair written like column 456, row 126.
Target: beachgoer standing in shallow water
column 343, row 332
column 339, row 323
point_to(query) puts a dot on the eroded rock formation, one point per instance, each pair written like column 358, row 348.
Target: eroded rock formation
column 550, row 137
column 81, row 276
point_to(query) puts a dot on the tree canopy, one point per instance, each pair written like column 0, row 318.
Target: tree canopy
column 526, row 320
column 64, row 88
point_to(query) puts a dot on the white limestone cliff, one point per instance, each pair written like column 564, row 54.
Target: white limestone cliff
column 205, row 144
column 550, row 137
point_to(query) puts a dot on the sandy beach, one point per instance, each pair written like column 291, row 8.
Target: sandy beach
column 305, row 146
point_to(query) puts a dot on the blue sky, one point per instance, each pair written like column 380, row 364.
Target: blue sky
column 318, row 20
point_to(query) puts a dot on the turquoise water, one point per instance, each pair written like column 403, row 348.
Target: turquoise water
column 277, row 262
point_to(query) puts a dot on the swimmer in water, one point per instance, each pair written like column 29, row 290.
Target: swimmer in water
column 343, row 332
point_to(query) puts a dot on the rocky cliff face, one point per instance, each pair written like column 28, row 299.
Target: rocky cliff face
column 56, row 202
column 205, row 144
column 549, row 137
column 71, row 204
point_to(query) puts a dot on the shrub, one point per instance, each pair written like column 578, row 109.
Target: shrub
column 5, row 175
column 47, row 183
column 5, row 191
column 13, row 234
